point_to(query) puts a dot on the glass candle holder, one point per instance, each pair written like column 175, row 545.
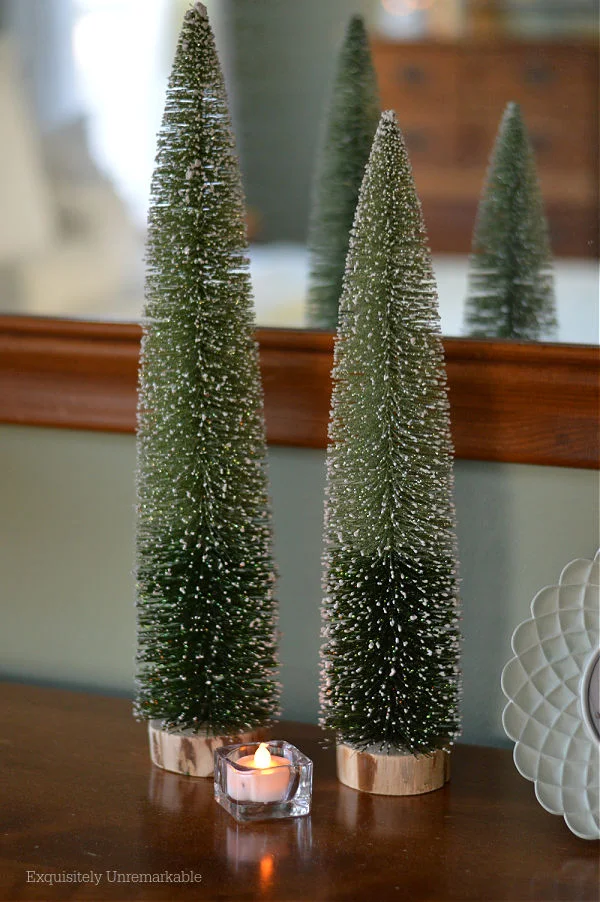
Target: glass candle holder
column 263, row 788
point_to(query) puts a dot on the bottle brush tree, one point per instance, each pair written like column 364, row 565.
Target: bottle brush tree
column 206, row 615
column 390, row 652
column 345, row 145
column 511, row 291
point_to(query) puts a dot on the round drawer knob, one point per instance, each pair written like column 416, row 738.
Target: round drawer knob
column 412, row 75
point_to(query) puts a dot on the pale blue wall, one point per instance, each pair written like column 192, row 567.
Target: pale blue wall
column 66, row 552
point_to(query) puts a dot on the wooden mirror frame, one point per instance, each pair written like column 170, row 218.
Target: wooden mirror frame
column 511, row 402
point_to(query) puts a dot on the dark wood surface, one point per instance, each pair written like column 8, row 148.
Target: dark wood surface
column 511, row 402
column 79, row 794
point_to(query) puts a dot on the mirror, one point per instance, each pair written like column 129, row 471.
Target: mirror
column 81, row 94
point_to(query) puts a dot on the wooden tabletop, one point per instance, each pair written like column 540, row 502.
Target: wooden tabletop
column 80, row 800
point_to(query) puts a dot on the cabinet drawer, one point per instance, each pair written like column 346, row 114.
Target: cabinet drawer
column 557, row 145
column 430, row 142
column 550, row 82
column 414, row 78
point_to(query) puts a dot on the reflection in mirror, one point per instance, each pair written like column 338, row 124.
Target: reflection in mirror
column 81, row 91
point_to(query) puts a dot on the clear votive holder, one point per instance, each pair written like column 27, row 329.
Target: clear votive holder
column 251, row 793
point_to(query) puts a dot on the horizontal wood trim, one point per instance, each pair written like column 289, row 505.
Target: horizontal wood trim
column 68, row 374
column 525, row 403
column 520, row 403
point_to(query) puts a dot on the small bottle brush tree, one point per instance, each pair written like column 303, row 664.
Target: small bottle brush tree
column 511, row 292
column 345, row 145
column 206, row 615
column 389, row 660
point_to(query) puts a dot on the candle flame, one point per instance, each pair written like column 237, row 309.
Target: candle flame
column 267, row 867
column 262, row 756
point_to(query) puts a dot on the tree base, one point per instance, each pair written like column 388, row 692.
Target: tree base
column 188, row 752
column 392, row 774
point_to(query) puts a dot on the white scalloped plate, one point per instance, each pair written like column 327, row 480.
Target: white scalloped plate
column 552, row 687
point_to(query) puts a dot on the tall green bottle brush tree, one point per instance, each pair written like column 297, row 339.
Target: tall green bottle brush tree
column 206, row 614
column 511, row 287
column 390, row 654
column 346, row 140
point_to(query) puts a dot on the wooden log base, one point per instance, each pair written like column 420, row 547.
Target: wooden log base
column 190, row 753
column 392, row 774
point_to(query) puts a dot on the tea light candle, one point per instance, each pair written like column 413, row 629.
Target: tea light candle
column 263, row 782
column 269, row 785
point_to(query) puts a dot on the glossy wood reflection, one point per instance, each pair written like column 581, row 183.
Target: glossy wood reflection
column 80, row 795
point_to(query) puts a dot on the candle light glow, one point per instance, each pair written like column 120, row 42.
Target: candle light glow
column 271, row 782
column 263, row 757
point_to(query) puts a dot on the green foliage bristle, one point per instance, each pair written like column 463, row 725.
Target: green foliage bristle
column 206, row 614
column 389, row 660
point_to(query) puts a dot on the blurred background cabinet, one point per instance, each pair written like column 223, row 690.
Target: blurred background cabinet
column 449, row 97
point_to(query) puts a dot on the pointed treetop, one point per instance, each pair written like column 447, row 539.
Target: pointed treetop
column 512, row 108
column 396, row 240
column 195, row 13
column 356, row 25
column 346, row 140
column 388, row 318
column 512, row 127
